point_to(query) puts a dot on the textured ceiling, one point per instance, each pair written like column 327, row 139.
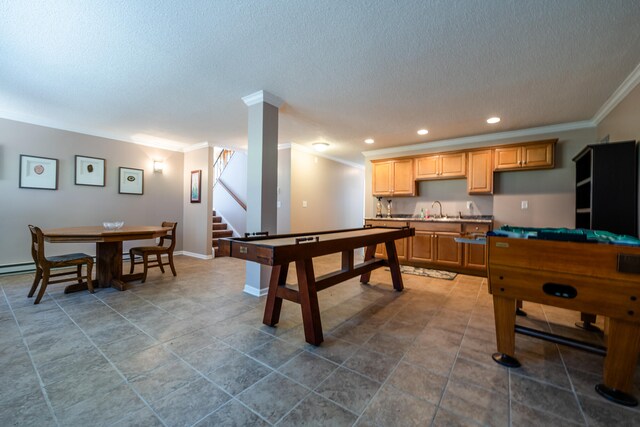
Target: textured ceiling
column 162, row 70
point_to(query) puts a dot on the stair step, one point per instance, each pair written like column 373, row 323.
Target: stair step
column 214, row 213
column 220, row 226
column 217, row 219
column 216, row 234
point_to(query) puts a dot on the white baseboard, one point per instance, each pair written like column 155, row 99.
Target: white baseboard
column 255, row 292
column 193, row 255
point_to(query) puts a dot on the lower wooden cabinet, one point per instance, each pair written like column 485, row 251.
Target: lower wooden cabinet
column 422, row 247
column 475, row 256
column 448, row 252
column 401, row 245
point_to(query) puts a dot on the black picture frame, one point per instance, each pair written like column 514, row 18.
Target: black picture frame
column 131, row 181
column 40, row 173
column 90, row 171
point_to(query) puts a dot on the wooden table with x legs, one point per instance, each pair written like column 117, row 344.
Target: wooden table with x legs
column 280, row 251
column 108, row 250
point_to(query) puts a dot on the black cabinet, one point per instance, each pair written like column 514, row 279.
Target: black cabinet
column 607, row 188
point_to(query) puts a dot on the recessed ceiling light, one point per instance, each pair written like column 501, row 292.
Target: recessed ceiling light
column 369, row 141
column 493, row 120
column 423, row 132
column 320, row 146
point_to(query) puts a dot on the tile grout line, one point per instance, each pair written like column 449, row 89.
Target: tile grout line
column 33, row 365
column 126, row 381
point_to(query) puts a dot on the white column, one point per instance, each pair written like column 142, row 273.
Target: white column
column 262, row 179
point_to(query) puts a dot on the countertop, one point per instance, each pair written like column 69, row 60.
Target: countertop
column 476, row 219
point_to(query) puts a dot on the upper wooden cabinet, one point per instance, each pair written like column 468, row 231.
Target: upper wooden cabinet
column 532, row 155
column 480, row 176
column 393, row 178
column 441, row 166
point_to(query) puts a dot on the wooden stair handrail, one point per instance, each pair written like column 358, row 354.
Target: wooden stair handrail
column 232, row 194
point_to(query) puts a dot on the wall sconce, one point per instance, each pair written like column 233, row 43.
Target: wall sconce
column 320, row 146
column 158, row 166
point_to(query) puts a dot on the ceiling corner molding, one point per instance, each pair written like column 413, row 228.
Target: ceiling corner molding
column 197, row 146
column 623, row 90
column 262, row 96
column 311, row 151
column 489, row 137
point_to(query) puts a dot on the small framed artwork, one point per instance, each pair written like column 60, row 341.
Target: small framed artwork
column 38, row 172
column 196, row 181
column 90, row 171
column 131, row 181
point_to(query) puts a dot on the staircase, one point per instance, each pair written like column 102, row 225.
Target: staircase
column 218, row 230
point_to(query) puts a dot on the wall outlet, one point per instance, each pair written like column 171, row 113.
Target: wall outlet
column 304, row 203
column 278, row 204
column 469, row 204
column 524, row 204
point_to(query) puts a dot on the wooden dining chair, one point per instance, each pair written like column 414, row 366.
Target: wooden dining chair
column 44, row 265
column 145, row 252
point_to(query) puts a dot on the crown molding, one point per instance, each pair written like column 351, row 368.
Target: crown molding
column 262, row 96
column 489, row 137
column 308, row 150
column 623, row 90
column 197, row 146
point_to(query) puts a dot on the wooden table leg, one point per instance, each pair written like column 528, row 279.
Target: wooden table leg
column 505, row 316
column 623, row 346
column 394, row 265
column 369, row 253
column 109, row 260
column 274, row 302
column 309, row 302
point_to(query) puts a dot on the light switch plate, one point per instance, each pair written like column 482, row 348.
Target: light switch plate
column 304, row 203
column 524, row 204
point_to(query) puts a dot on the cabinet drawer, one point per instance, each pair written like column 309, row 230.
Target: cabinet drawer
column 454, row 227
column 475, row 228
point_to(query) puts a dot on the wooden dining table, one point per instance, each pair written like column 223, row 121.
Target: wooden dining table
column 108, row 250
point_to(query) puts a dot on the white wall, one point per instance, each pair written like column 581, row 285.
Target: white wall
column 198, row 216
column 333, row 192
column 74, row 205
column 284, row 191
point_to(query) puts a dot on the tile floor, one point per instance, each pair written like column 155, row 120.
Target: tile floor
column 192, row 350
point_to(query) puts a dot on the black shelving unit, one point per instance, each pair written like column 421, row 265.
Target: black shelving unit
column 607, row 188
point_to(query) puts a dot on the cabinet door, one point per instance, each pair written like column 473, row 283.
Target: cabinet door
column 475, row 256
column 447, row 250
column 382, row 178
column 537, row 156
column 427, row 167
column 453, row 165
column 507, row 158
column 403, row 182
column 401, row 249
column 422, row 247
column 480, row 176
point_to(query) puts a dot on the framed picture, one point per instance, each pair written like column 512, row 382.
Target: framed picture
column 196, row 181
column 38, row 172
column 131, row 181
column 90, row 171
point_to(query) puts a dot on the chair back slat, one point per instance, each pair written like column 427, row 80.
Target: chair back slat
column 171, row 235
column 37, row 245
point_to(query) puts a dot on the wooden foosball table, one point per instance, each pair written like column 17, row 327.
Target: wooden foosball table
column 596, row 278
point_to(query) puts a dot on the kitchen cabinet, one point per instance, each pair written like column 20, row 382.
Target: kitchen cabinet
column 531, row 155
column 448, row 252
column 393, row 178
column 475, row 255
column 401, row 244
column 606, row 188
column 480, row 176
column 434, row 243
column 441, row 166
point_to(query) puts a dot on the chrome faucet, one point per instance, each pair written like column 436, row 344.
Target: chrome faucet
column 440, row 205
